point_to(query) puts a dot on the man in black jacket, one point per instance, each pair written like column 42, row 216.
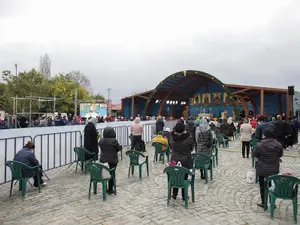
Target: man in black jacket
column 281, row 130
column 159, row 124
column 26, row 156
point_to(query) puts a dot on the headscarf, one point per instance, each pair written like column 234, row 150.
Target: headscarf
column 137, row 120
column 94, row 121
column 203, row 126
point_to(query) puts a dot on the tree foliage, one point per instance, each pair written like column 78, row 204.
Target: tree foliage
column 79, row 78
column 34, row 83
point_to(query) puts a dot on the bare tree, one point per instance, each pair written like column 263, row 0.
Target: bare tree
column 80, row 79
column 45, row 65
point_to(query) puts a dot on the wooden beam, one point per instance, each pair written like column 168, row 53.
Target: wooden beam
column 244, row 104
column 141, row 96
column 262, row 102
column 132, row 107
column 253, row 103
column 267, row 89
column 241, row 91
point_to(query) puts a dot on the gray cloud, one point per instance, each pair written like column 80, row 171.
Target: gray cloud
column 267, row 56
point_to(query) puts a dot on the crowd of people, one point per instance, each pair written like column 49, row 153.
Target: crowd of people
column 186, row 137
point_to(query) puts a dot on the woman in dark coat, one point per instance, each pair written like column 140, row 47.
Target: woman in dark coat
column 268, row 153
column 91, row 138
column 182, row 146
column 109, row 152
column 226, row 129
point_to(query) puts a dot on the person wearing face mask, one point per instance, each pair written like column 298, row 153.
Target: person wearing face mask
column 27, row 156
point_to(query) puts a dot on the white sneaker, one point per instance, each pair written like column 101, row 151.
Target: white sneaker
column 44, row 184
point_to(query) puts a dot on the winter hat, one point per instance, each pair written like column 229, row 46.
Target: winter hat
column 179, row 128
column 269, row 133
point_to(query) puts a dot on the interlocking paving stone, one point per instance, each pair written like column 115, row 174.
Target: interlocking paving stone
column 228, row 199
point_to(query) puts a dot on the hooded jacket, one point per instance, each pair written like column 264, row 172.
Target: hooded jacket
column 109, row 146
column 159, row 125
column 137, row 127
column 268, row 153
column 91, row 138
column 160, row 139
column 182, row 147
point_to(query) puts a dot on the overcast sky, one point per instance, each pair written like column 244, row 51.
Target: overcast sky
column 130, row 46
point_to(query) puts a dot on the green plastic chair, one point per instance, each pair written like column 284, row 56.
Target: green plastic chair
column 176, row 178
column 158, row 150
column 222, row 139
column 96, row 177
column 80, row 159
column 215, row 153
column 203, row 161
column 135, row 160
column 16, row 174
column 283, row 187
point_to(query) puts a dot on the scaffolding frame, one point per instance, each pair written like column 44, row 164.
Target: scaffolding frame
column 30, row 98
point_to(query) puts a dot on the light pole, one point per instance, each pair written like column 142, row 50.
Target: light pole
column 108, row 102
column 16, row 67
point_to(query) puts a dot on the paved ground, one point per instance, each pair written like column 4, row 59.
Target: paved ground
column 228, row 199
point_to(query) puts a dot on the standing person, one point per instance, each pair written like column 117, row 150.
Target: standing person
column 159, row 124
column 262, row 125
column 225, row 128
column 109, row 152
column 182, row 147
column 191, row 127
column 91, row 138
column 268, row 152
column 246, row 132
column 281, row 130
column 296, row 128
column 27, row 156
column 204, row 140
column 136, row 131
column 232, row 128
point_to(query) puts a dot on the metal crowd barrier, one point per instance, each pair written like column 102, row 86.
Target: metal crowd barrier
column 10, row 146
column 61, row 144
column 56, row 149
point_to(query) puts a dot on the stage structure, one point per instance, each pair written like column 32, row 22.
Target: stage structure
column 194, row 92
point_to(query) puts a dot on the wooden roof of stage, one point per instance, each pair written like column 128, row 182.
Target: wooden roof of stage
column 235, row 88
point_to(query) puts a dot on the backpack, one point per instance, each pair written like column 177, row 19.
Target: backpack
column 140, row 146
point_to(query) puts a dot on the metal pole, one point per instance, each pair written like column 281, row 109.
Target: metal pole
column 16, row 66
column 30, row 111
column 54, row 104
column 16, row 117
column 75, row 101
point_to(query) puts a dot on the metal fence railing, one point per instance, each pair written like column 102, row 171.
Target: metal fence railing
column 56, row 149
column 8, row 149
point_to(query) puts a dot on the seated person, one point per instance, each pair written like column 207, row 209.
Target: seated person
column 161, row 139
column 26, row 156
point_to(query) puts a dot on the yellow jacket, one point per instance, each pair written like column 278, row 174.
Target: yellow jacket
column 162, row 140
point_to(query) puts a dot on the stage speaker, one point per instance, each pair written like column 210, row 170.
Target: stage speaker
column 291, row 90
